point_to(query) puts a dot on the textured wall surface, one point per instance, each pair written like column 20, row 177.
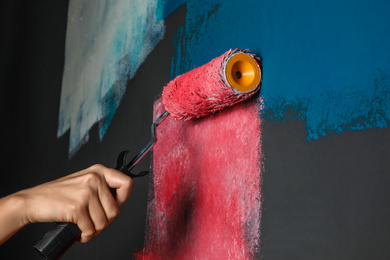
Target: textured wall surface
column 323, row 119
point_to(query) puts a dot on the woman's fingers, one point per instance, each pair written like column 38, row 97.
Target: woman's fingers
column 119, row 181
column 103, row 208
column 87, row 227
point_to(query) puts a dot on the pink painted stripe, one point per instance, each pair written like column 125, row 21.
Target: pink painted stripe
column 205, row 200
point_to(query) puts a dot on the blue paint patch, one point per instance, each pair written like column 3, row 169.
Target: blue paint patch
column 106, row 43
column 332, row 113
column 328, row 61
column 111, row 100
column 165, row 7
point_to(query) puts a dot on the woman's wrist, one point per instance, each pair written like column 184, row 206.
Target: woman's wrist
column 12, row 215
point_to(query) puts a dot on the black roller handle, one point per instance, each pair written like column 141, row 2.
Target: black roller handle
column 58, row 240
column 63, row 235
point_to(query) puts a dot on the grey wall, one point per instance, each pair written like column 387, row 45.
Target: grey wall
column 324, row 199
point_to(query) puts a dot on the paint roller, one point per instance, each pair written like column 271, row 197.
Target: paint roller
column 223, row 82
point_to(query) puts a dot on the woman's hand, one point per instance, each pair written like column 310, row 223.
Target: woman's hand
column 83, row 198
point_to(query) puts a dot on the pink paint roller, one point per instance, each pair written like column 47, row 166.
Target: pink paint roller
column 223, row 82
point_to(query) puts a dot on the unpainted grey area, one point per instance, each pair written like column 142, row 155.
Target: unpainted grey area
column 325, row 199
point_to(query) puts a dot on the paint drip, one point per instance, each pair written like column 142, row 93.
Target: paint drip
column 205, row 195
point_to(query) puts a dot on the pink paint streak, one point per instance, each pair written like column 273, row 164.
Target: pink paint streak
column 205, row 200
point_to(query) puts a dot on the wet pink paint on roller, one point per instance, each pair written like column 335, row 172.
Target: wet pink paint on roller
column 205, row 198
column 204, row 90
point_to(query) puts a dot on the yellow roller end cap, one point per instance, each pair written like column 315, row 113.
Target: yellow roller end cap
column 243, row 72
